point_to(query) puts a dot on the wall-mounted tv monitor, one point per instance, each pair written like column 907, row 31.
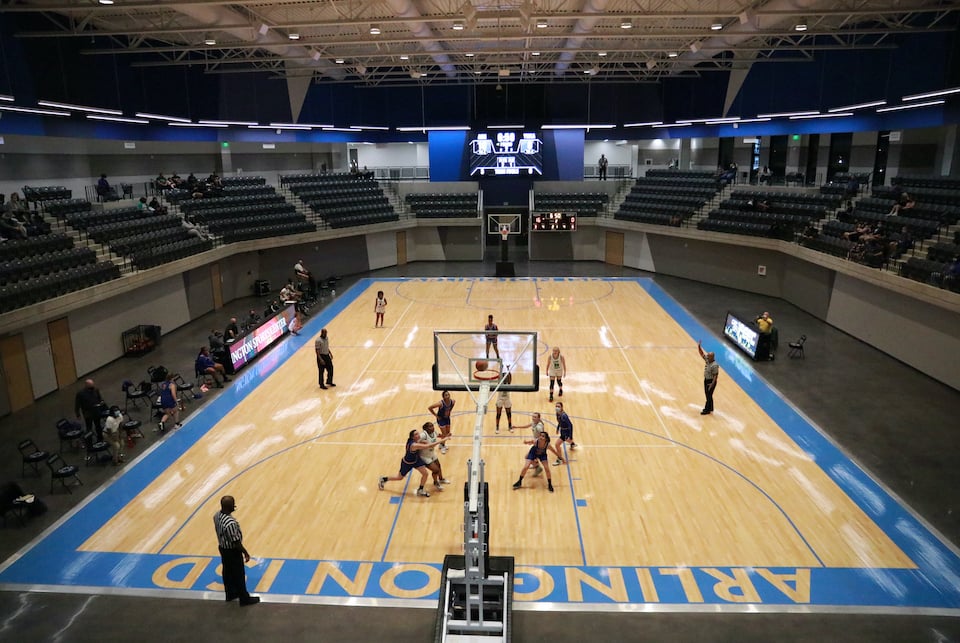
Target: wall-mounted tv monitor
column 505, row 153
column 741, row 333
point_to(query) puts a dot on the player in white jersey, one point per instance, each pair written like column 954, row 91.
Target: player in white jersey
column 536, row 428
column 556, row 369
column 429, row 435
column 503, row 402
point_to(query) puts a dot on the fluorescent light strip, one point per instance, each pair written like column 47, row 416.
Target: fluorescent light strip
column 31, row 110
column 237, row 123
column 849, row 108
column 371, row 127
column 942, row 92
column 341, row 129
column 118, row 119
column 179, row 124
column 898, row 107
column 450, row 128
column 292, row 125
column 787, row 114
column 650, row 124
column 586, row 127
column 739, row 121
column 6, row 98
column 704, row 120
column 673, row 125
column 809, row 116
column 315, row 125
column 505, row 126
column 79, row 108
column 288, row 127
column 160, row 117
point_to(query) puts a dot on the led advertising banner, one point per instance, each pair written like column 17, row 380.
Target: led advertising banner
column 246, row 348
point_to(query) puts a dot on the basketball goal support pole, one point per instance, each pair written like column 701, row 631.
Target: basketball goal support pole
column 475, row 602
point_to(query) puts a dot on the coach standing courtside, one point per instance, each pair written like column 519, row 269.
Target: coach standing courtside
column 324, row 359
column 232, row 553
column 711, row 373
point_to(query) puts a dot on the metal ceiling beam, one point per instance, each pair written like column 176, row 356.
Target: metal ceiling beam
column 327, row 43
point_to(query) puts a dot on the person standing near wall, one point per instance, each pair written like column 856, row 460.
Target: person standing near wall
column 602, row 166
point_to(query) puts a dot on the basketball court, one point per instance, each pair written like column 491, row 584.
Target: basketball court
column 660, row 508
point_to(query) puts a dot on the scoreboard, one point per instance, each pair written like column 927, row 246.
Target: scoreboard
column 553, row 221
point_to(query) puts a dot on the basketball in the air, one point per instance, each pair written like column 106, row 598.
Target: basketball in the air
column 480, row 365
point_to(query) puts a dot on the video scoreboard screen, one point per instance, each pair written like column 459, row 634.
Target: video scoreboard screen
column 553, row 221
column 506, row 153
column 741, row 333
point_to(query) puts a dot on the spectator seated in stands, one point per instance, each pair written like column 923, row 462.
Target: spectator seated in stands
column 765, row 174
column 902, row 244
column 104, row 191
column 162, row 183
column 175, row 180
column 811, row 231
column 951, row 275
column 856, row 233
column 12, row 227
column 232, row 331
column 206, row 366
column 155, row 206
column 143, row 206
column 253, row 319
column 905, row 202
column 15, row 205
column 757, row 205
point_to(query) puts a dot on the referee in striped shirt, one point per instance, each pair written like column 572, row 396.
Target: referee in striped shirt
column 232, row 553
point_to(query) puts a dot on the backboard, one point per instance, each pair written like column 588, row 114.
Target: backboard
column 456, row 352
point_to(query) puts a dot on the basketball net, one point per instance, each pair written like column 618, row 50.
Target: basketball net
column 504, row 232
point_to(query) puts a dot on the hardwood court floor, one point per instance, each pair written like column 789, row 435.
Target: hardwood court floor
column 658, row 505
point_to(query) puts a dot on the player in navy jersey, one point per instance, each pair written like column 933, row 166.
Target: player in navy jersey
column 565, row 429
column 536, row 456
column 491, row 330
column 411, row 460
column 442, row 410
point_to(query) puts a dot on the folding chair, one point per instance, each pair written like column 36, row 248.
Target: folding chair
column 133, row 394
column 70, row 433
column 60, row 470
column 96, row 449
column 796, row 348
column 32, row 455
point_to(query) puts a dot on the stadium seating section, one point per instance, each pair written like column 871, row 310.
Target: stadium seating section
column 668, row 197
column 589, row 204
column 448, row 205
column 342, row 200
column 776, row 214
column 247, row 212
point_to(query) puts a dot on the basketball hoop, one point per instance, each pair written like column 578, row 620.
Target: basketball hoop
column 486, row 376
column 504, row 232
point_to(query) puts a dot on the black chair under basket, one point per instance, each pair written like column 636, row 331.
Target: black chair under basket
column 796, row 348
column 32, row 456
column 70, row 433
column 60, row 470
column 98, row 450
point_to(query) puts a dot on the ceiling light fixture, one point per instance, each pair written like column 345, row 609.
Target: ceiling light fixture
column 898, row 107
column 601, row 53
column 809, row 116
column 647, row 124
column 209, row 40
column 31, row 110
column 534, row 53
column 161, row 117
column 626, row 24
column 672, row 54
column 788, row 114
column 716, row 25
column 178, row 124
column 850, row 108
column 801, row 25
column 79, row 108
column 339, row 61
column 458, row 25
column 541, row 23
column 294, row 35
column 237, row 123
column 107, row 2
column 375, row 30
column 404, row 57
column 118, row 119
column 942, row 92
